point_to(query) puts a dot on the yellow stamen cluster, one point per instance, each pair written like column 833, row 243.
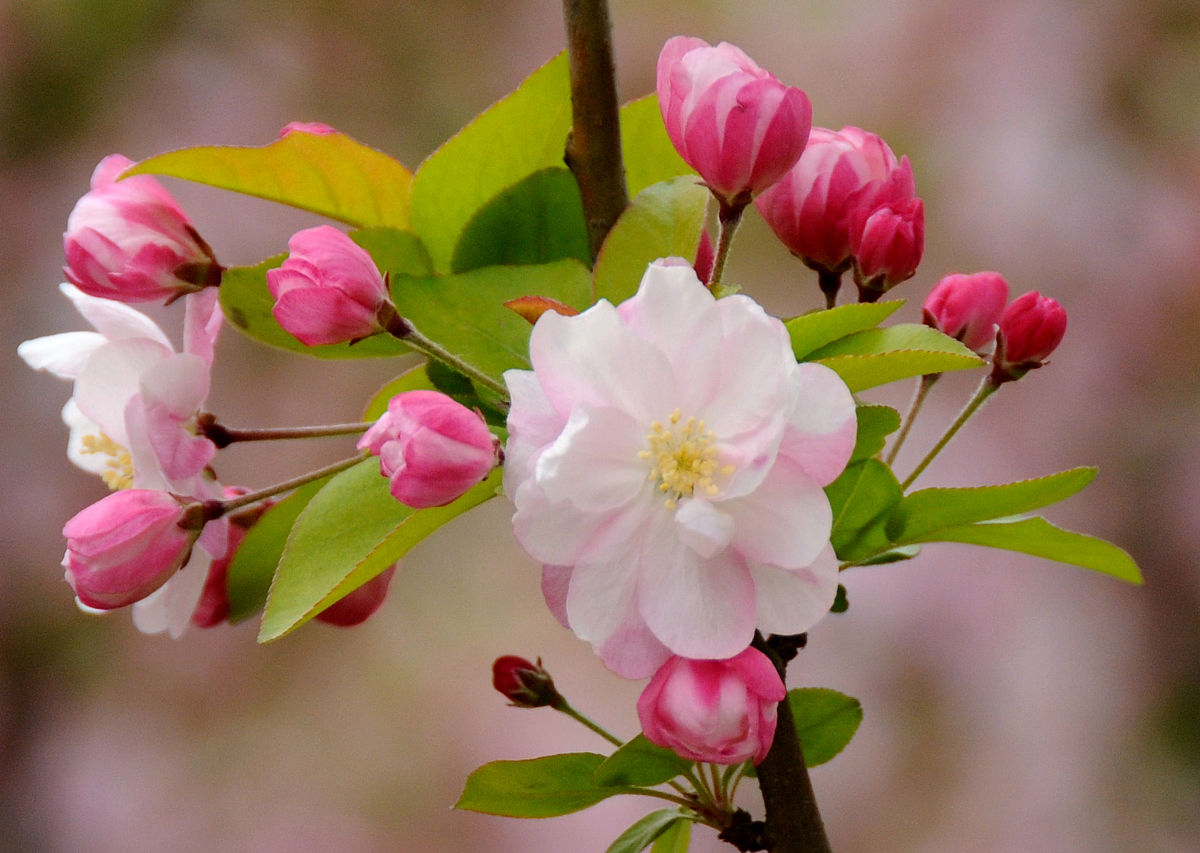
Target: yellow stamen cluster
column 119, row 464
column 683, row 458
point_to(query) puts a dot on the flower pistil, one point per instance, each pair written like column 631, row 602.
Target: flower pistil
column 684, row 458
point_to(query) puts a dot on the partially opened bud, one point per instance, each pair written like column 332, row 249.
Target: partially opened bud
column 733, row 122
column 130, row 240
column 328, row 291
column 888, row 247
column 432, row 448
column 125, row 546
column 1031, row 328
column 359, row 605
column 968, row 307
column 723, row 711
column 525, row 684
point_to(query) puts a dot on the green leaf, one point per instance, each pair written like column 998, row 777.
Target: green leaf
column 826, row 720
column 878, row 356
column 247, row 304
column 895, row 555
column 810, row 332
column 253, row 566
column 646, row 149
column 331, row 175
column 521, row 134
column 643, row 833
column 922, row 513
column 348, row 533
column 676, row 838
column 875, row 424
column 663, row 220
column 640, row 762
column 535, row 221
column 538, row 787
column 862, row 499
column 465, row 313
column 394, row 251
column 1040, row 538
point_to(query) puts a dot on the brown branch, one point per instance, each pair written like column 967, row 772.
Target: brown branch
column 593, row 152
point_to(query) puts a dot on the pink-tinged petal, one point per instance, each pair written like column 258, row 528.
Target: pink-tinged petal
column 632, row 650
column 532, row 426
column 62, row 355
column 822, row 427
column 180, row 383
column 792, row 601
column 556, row 582
column 594, row 462
column 670, row 303
column 785, row 522
column 180, row 453
column 317, row 316
column 202, row 319
column 111, row 377
column 562, row 533
column 599, row 599
column 170, row 608
column 114, row 320
column 704, row 528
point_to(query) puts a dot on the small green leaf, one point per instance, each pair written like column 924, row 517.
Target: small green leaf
column 841, row 601
column 247, row 304
column 875, row 424
column 676, row 838
column 862, row 499
column 663, row 220
column 878, row 356
column 524, row 132
column 922, row 513
column 373, row 530
column 394, row 251
column 895, row 555
column 643, row 833
column 329, row 174
column 810, row 332
column 535, row 221
column 253, row 566
column 640, row 762
column 1040, row 538
column 826, row 720
column 538, row 787
column 646, row 149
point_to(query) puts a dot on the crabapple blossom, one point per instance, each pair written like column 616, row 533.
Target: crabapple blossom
column 722, row 711
column 1030, row 328
column 666, row 459
column 432, row 448
column 328, row 291
column 733, row 122
column 360, row 604
column 125, row 546
column 887, row 247
column 968, row 307
column 130, row 240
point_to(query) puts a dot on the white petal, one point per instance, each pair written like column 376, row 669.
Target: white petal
column 111, row 377
column 81, row 426
column 62, row 355
column 594, row 462
column 533, row 424
column 669, row 307
column 785, row 522
column 822, row 426
column 114, row 320
column 179, row 382
column 790, row 602
column 703, row 527
column 170, row 607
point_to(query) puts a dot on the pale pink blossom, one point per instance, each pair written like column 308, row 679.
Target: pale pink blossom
column 1031, row 328
column 721, row 711
column 432, row 448
column 130, row 240
column 733, row 122
column 968, row 307
column 329, row 290
column 666, row 458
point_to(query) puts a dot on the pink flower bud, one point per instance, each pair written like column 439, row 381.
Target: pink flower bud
column 525, row 684
column 723, row 711
column 316, row 128
column 839, row 180
column 432, row 448
column 359, row 605
column 328, row 291
column 1031, row 328
column 968, row 307
column 125, row 546
column 733, row 122
column 887, row 248
column 130, row 241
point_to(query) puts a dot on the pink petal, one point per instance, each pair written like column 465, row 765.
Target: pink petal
column 792, row 601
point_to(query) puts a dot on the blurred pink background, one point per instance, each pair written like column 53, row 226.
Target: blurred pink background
column 1012, row 704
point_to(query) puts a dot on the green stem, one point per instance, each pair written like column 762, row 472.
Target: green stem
column 223, row 436
column 401, row 329
column 728, row 217
column 986, row 389
column 216, row 508
column 918, row 400
column 565, row 707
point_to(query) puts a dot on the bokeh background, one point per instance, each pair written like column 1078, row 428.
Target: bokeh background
column 1012, row 704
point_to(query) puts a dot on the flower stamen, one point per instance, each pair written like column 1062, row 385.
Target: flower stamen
column 119, row 463
column 683, row 458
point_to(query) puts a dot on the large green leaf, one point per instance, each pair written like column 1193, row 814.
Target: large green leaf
column 329, row 174
column 1040, row 538
column 639, row 762
column 862, row 499
column 538, row 787
column 535, row 221
column 922, row 513
column 465, row 313
column 875, row 424
column 810, row 332
column 676, row 838
column 826, row 720
column 521, row 134
column 349, row 532
column 878, row 356
column 662, row 220
column 642, row 834
column 646, row 149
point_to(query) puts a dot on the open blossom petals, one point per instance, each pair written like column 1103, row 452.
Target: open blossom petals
column 562, row 533
column 111, row 378
column 202, row 319
column 785, row 522
column 62, row 355
column 169, row 609
column 594, row 463
column 790, row 601
column 822, row 427
column 531, row 431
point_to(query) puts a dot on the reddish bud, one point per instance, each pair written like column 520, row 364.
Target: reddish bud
column 968, row 307
column 356, row 607
column 888, row 247
column 525, row 684
column 706, row 256
column 1031, row 328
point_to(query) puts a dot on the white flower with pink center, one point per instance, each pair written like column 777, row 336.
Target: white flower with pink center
column 666, row 458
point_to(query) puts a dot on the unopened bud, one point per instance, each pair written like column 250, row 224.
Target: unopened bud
column 1031, row 328
column 525, row 684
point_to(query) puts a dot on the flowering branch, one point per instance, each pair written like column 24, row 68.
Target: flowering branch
column 593, row 152
column 223, row 436
column 218, row 508
column 985, row 390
